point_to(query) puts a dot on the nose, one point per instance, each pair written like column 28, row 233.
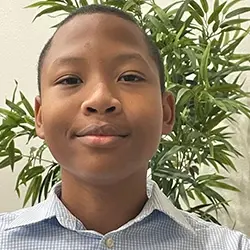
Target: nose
column 101, row 101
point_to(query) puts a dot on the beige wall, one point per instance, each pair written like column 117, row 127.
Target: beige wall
column 20, row 44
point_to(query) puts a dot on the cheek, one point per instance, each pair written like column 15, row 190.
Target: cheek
column 57, row 119
column 146, row 116
column 58, row 111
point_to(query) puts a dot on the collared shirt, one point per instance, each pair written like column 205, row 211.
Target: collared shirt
column 159, row 226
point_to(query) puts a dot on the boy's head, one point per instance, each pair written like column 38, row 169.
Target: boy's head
column 102, row 109
column 95, row 9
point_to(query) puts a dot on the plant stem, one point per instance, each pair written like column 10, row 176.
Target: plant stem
column 28, row 156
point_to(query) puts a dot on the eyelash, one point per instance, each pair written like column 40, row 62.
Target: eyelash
column 70, row 78
column 138, row 79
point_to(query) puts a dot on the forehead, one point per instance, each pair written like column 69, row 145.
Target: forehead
column 105, row 32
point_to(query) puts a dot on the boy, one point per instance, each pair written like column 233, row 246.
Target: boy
column 102, row 110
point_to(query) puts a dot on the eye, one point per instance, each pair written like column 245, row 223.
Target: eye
column 70, row 80
column 131, row 78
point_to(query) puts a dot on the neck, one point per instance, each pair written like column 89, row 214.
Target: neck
column 107, row 207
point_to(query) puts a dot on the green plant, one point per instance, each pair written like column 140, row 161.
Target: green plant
column 202, row 69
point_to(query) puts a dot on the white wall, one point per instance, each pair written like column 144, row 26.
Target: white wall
column 20, row 44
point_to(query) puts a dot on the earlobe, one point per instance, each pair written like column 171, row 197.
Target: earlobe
column 38, row 118
column 168, row 105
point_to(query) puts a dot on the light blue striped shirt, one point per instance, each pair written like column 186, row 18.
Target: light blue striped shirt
column 50, row 226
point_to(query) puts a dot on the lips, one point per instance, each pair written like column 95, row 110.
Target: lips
column 106, row 129
column 102, row 136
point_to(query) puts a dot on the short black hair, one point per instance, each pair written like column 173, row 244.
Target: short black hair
column 95, row 9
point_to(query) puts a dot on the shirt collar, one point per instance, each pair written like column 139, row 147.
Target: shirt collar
column 37, row 213
column 53, row 207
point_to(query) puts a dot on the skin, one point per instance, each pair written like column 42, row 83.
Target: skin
column 113, row 80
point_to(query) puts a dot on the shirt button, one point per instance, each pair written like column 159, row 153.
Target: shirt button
column 109, row 243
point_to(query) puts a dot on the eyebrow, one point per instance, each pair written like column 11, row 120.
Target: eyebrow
column 69, row 60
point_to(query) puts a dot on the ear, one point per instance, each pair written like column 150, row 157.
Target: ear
column 38, row 117
column 168, row 105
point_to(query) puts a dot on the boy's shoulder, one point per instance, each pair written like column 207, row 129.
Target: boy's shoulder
column 217, row 233
column 8, row 217
column 200, row 225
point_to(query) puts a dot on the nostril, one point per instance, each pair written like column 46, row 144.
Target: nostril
column 92, row 110
column 111, row 109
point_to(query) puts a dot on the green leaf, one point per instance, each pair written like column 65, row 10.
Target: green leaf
column 30, row 190
column 11, row 151
column 216, row 12
column 232, row 28
column 171, row 173
column 211, row 194
column 232, row 46
column 198, row 155
column 30, row 121
column 40, row 151
column 191, row 55
column 170, row 153
column 42, row 3
column 197, row 8
column 211, row 148
column 180, row 13
column 69, row 2
column 161, row 14
column 31, row 173
column 193, row 209
column 183, row 194
column 170, row 6
column 216, row 25
column 224, row 88
column 47, row 183
column 233, row 22
column 238, row 12
column 226, row 39
column 4, row 133
column 6, row 162
column 180, row 93
column 167, row 186
column 190, row 194
column 237, row 32
column 204, row 65
column 27, row 105
column 14, row 92
column 204, row 5
column 128, row 5
column 208, row 177
column 15, row 108
column 157, row 24
column 56, row 174
column 223, row 185
column 216, row 4
column 183, row 96
column 194, row 135
column 36, row 189
column 195, row 16
column 4, row 143
column 178, row 35
column 240, row 56
column 229, row 5
column 200, row 195
column 84, row 2
column 53, row 10
column 223, row 159
column 21, row 175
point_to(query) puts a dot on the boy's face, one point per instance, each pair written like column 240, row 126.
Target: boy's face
column 98, row 71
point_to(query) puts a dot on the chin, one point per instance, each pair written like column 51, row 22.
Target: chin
column 98, row 172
